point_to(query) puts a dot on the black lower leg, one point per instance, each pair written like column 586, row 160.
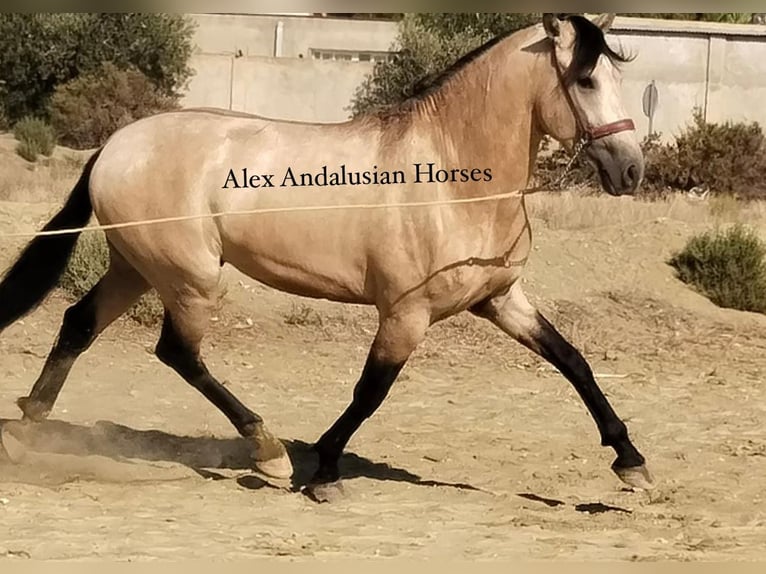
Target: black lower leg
column 369, row 393
column 172, row 351
column 76, row 335
column 555, row 349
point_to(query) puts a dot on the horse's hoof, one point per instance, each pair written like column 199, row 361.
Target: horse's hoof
column 635, row 476
column 280, row 467
column 325, row 491
column 269, row 454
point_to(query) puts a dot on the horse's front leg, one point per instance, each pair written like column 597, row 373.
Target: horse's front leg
column 398, row 335
column 514, row 314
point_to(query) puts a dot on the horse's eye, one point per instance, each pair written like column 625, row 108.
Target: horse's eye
column 586, row 83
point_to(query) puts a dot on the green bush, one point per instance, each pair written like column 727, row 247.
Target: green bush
column 729, row 17
column 727, row 158
column 89, row 109
column 426, row 45
column 35, row 138
column 27, row 151
column 89, row 263
column 728, row 267
column 40, row 51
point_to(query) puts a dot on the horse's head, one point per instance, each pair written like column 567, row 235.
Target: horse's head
column 581, row 102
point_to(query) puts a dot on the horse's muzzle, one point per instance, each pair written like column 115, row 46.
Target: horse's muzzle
column 620, row 164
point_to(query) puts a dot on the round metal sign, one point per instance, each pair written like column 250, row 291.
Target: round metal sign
column 650, row 100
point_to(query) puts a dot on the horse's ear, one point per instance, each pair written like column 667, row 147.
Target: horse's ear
column 604, row 21
column 552, row 25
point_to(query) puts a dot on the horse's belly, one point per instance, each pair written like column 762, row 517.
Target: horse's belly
column 309, row 273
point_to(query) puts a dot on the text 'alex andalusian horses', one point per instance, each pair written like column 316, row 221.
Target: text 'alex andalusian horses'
column 473, row 132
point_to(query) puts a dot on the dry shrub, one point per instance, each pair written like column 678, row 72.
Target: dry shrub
column 35, row 137
column 728, row 267
column 551, row 165
column 727, row 158
column 88, row 110
column 4, row 122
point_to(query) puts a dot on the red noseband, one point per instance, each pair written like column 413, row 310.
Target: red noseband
column 610, row 129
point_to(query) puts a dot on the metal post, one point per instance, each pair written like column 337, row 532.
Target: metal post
column 278, row 39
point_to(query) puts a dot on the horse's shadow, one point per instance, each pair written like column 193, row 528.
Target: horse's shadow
column 208, row 456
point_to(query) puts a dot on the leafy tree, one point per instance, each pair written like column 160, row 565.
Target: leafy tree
column 426, row 45
column 735, row 18
column 40, row 51
column 366, row 16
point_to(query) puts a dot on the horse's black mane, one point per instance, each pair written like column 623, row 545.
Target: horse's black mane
column 590, row 44
column 429, row 84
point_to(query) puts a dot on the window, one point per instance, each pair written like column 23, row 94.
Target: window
column 350, row 55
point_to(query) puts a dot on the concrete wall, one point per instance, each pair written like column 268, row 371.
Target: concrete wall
column 255, row 35
column 306, row 90
column 720, row 68
column 237, row 68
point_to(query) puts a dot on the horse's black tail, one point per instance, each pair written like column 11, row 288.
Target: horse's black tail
column 37, row 270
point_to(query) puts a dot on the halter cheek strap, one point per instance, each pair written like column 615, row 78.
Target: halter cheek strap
column 590, row 133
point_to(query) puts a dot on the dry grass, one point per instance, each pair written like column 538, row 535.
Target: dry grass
column 89, row 263
column 36, row 137
column 333, row 321
column 303, row 315
column 581, row 210
column 50, row 179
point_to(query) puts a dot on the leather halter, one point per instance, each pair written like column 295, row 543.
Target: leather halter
column 611, row 129
column 589, row 133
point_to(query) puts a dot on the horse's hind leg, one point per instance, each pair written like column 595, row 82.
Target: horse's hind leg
column 187, row 316
column 516, row 316
column 83, row 322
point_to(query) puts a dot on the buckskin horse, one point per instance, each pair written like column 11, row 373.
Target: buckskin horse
column 416, row 265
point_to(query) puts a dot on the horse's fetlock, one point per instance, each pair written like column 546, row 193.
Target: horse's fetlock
column 170, row 352
column 165, row 354
column 78, row 330
column 252, row 429
column 34, row 411
column 615, row 434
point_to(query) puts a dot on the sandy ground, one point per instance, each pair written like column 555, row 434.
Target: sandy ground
column 481, row 450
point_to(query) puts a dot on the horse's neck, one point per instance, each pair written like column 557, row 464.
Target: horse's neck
column 485, row 120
